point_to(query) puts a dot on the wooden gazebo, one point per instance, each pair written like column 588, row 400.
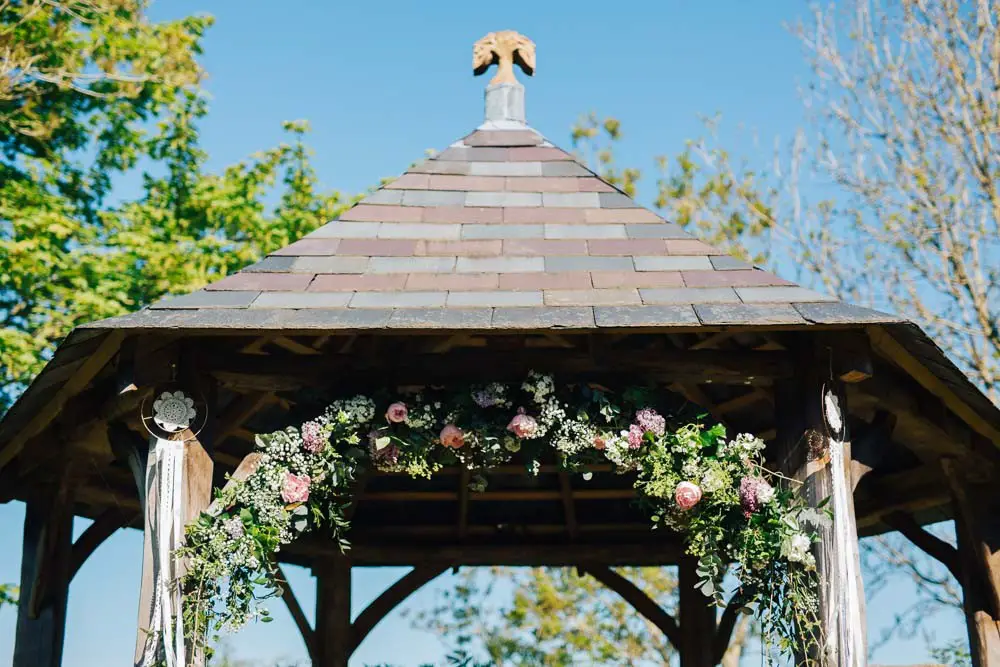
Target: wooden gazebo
column 498, row 255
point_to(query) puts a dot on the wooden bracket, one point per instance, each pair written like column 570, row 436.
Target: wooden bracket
column 639, row 600
column 868, row 448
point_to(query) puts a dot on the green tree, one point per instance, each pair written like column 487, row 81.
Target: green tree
column 554, row 617
column 93, row 93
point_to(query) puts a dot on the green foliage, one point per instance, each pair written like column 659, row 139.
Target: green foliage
column 104, row 97
column 8, row 594
column 701, row 188
column 305, row 474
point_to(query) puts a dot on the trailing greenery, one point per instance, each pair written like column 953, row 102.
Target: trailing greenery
column 690, row 477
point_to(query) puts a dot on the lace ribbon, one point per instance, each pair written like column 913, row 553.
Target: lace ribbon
column 165, row 476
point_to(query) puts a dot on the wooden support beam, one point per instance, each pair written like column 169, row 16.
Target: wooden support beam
column 299, row 616
column 104, row 526
column 806, row 454
column 639, row 600
column 390, row 598
column 496, row 496
column 46, row 565
column 333, row 613
column 977, row 525
column 697, row 619
column 481, row 552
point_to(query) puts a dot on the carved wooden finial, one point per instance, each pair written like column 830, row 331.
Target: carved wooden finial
column 504, row 48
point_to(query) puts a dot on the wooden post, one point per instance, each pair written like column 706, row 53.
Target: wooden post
column 698, row 619
column 977, row 526
column 334, row 634
column 804, row 454
column 195, row 496
column 46, row 566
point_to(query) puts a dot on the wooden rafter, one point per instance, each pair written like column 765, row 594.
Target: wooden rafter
column 884, row 343
column 80, row 379
column 294, row 346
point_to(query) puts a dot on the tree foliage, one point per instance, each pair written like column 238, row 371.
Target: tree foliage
column 105, row 200
column 554, row 617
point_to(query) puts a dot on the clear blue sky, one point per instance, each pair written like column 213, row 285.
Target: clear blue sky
column 381, row 82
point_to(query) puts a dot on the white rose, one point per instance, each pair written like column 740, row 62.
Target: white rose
column 765, row 493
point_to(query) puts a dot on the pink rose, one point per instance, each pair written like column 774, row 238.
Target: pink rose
column 296, row 488
column 687, row 495
column 522, row 425
column 452, row 436
column 396, row 413
column 600, row 442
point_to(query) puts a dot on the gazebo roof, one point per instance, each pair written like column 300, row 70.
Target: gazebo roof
column 501, row 236
column 502, row 230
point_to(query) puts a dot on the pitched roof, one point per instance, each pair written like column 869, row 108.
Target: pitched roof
column 500, row 230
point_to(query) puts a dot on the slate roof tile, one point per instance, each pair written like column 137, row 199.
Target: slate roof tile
column 501, row 230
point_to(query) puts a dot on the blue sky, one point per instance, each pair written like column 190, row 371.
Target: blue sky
column 381, row 82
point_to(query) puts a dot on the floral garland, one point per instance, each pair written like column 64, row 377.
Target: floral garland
column 691, row 479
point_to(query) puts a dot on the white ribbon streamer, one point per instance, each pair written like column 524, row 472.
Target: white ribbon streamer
column 842, row 585
column 165, row 475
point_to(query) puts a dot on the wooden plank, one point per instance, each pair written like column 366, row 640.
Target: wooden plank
column 884, row 343
column 45, row 575
column 639, row 600
column 698, row 366
column 84, row 374
column 523, row 553
column 496, row 496
column 390, row 598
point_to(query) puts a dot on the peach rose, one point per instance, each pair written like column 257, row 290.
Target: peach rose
column 452, row 436
column 522, row 425
column 296, row 488
column 687, row 495
column 396, row 413
column 600, row 442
